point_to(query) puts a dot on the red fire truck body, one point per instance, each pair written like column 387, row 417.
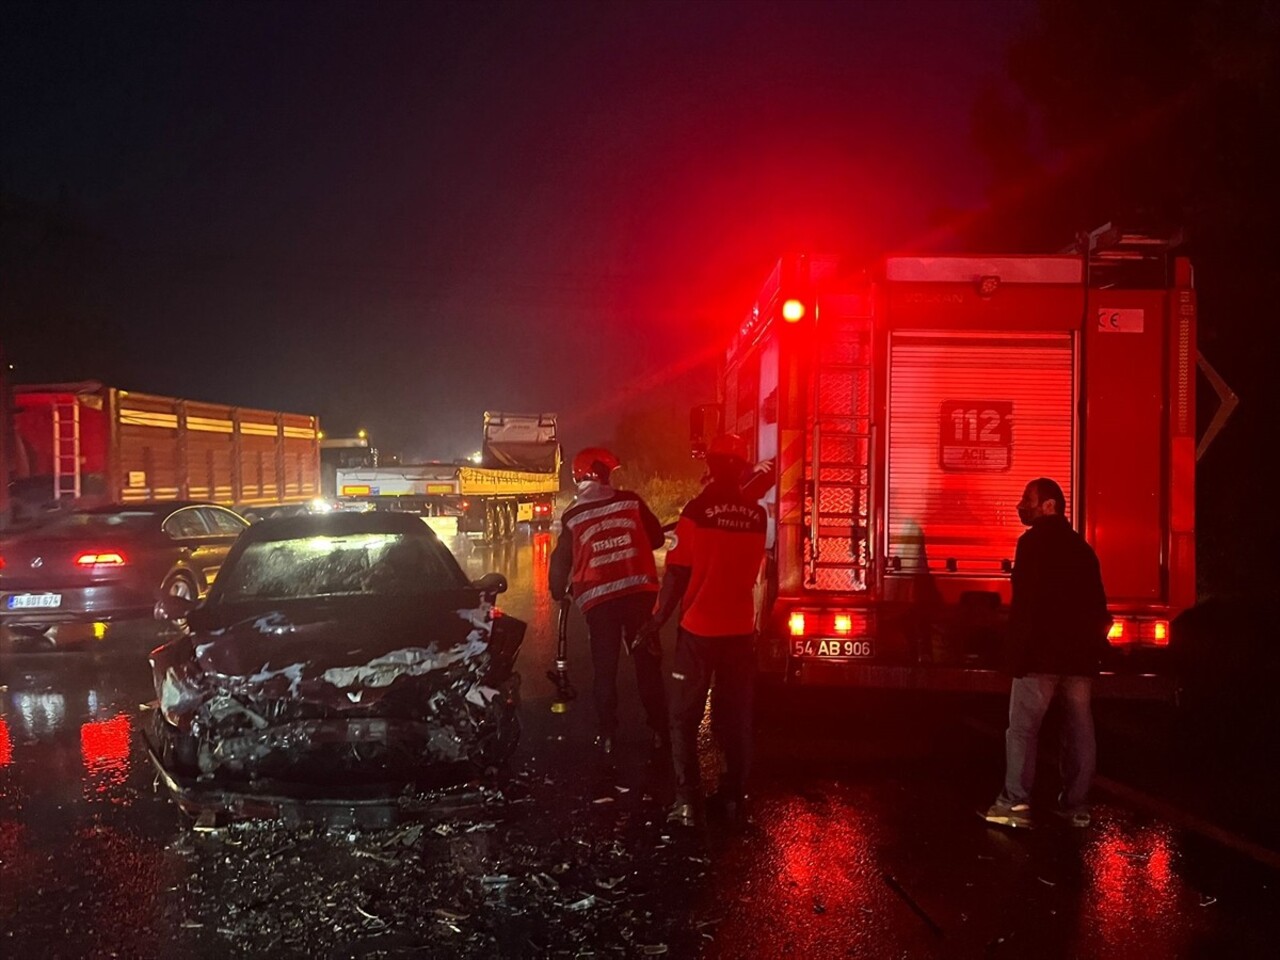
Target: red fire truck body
column 905, row 410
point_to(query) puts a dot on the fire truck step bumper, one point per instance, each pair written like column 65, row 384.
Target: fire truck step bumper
column 848, row 673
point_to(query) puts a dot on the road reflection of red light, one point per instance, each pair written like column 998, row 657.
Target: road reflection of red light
column 541, row 560
column 541, row 568
column 6, row 745
column 813, row 875
column 1134, row 887
column 104, row 745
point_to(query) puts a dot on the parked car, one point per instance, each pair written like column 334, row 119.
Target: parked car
column 335, row 651
column 109, row 563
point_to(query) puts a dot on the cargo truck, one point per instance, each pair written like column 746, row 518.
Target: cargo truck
column 88, row 444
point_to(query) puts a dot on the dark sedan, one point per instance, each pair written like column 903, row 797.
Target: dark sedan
column 109, row 563
column 346, row 651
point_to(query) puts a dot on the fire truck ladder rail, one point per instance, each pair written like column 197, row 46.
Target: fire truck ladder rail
column 840, row 483
column 66, row 449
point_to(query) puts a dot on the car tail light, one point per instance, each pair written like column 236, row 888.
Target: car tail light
column 842, row 624
column 107, row 558
column 795, row 623
column 1156, row 632
column 1, row 561
column 1118, row 634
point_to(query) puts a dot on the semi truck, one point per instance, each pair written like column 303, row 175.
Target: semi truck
column 516, row 480
column 902, row 407
column 89, row 444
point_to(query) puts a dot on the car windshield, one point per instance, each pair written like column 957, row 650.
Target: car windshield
column 92, row 524
column 359, row 564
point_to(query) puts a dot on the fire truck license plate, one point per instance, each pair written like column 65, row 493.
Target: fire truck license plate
column 815, row 647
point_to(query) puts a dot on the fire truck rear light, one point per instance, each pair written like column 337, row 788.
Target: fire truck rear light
column 1117, row 635
column 842, row 624
column 106, row 559
column 793, row 311
column 1154, row 631
column 796, row 624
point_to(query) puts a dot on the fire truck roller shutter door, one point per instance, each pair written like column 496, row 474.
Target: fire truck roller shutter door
column 971, row 417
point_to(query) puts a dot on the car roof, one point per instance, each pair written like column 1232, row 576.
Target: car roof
column 336, row 525
column 157, row 507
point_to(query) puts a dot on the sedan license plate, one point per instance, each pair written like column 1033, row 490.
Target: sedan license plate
column 830, row 648
column 34, row 601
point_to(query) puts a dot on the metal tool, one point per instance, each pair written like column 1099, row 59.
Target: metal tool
column 559, row 675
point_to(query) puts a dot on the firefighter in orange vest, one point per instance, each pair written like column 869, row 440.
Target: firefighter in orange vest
column 711, row 574
column 605, row 552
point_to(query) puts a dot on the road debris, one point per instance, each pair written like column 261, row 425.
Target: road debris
column 462, row 880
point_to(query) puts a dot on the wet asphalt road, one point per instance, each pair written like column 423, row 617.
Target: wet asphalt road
column 863, row 839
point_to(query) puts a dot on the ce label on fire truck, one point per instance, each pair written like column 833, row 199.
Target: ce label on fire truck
column 975, row 436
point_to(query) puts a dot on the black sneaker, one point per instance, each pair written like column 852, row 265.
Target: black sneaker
column 1078, row 818
column 683, row 814
column 1016, row 815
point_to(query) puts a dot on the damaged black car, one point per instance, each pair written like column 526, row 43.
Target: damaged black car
column 336, row 654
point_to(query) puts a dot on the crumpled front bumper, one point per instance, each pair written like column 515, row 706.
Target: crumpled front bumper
column 214, row 801
column 342, row 756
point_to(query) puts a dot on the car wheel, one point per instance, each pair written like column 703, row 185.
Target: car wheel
column 180, row 584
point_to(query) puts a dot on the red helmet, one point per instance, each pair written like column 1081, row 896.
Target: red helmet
column 728, row 445
column 594, row 463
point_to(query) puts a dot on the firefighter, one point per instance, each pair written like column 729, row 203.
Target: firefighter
column 1058, row 625
column 711, row 574
column 605, row 554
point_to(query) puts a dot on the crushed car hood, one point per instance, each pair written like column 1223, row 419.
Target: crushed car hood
column 352, row 659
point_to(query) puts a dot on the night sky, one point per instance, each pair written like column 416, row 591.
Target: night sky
column 397, row 215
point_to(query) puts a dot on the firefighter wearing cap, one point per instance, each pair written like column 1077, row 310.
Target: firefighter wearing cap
column 711, row 575
column 605, row 553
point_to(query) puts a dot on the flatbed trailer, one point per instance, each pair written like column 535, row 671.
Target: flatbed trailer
column 489, row 498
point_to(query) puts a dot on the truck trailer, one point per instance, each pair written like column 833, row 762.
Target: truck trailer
column 89, row 444
column 515, row 481
column 905, row 406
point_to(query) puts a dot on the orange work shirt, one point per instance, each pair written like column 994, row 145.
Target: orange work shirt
column 720, row 537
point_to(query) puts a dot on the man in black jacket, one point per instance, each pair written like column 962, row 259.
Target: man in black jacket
column 1057, row 632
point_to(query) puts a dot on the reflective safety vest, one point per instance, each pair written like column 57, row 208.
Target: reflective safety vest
column 612, row 556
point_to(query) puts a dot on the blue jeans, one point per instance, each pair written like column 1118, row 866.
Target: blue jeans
column 1029, row 700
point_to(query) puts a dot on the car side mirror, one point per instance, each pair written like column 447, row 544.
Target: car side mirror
column 172, row 608
column 491, row 584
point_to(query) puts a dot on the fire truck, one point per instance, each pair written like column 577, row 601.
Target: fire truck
column 904, row 408
column 515, row 480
